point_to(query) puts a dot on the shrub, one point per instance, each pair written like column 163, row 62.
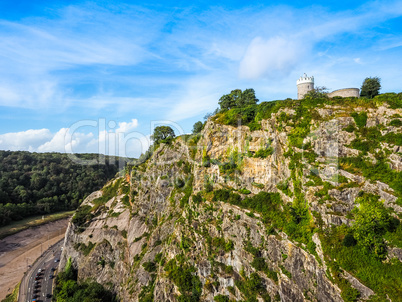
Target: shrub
column 350, row 128
column 360, row 118
column 182, row 276
column 349, row 240
column 395, row 123
column 81, row 216
column 244, row 191
column 221, row 298
column 264, row 152
column 149, row 266
column 372, row 221
column 179, row 183
column 197, row 198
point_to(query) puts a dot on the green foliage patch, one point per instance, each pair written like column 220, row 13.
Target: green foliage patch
column 383, row 277
column 251, row 287
column 360, row 118
column 183, row 277
column 43, row 183
column 85, row 249
column 69, row 290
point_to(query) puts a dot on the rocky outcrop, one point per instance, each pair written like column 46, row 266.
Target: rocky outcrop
column 165, row 214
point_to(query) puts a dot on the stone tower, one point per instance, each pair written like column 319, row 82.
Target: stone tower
column 304, row 85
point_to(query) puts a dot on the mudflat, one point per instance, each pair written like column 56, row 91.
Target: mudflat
column 22, row 249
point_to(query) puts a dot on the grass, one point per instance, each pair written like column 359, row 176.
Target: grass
column 13, row 297
column 33, row 221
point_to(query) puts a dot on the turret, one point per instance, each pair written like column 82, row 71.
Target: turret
column 304, row 85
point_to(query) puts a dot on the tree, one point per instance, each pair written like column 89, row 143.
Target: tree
column 238, row 99
column 372, row 221
column 163, row 134
column 197, row 128
column 370, row 87
column 319, row 92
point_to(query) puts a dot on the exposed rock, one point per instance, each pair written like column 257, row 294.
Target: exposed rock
column 156, row 216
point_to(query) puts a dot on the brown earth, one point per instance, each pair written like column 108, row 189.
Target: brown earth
column 22, row 249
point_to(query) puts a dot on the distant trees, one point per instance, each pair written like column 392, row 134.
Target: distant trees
column 163, row 134
column 35, row 183
column 370, row 87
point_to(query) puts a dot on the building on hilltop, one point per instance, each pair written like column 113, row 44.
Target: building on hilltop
column 306, row 84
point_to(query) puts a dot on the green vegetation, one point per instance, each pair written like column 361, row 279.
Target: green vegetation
column 149, row 266
column 372, row 221
column 295, row 219
column 370, row 87
column 360, row 118
column 36, row 184
column 238, row 108
column 163, row 134
column 182, row 276
column 244, row 191
column 221, row 298
column 82, row 216
column 108, row 192
column 187, row 190
column 68, row 290
column 395, row 123
column 260, row 265
column 378, row 171
column 13, row 297
column 264, row 152
column 147, row 292
column 85, row 249
column 251, row 287
column 197, row 127
column 381, row 276
column 317, row 93
column 237, row 99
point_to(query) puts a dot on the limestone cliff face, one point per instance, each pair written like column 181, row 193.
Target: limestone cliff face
column 164, row 234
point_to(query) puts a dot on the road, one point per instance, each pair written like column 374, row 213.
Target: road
column 20, row 250
column 45, row 284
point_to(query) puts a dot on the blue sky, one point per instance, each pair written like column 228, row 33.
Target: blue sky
column 96, row 76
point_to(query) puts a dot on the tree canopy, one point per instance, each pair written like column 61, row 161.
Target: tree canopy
column 372, row 220
column 370, row 87
column 197, row 127
column 238, row 99
column 44, row 183
column 163, row 134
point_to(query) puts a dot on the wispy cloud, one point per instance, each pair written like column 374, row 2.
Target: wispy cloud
column 176, row 62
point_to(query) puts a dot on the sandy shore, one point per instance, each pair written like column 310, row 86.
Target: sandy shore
column 22, row 249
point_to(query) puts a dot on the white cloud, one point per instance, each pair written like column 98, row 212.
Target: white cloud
column 122, row 140
column 65, row 141
column 276, row 56
column 28, row 140
column 176, row 64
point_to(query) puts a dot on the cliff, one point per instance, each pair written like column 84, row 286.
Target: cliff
column 303, row 208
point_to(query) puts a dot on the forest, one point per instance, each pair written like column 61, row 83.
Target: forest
column 44, row 183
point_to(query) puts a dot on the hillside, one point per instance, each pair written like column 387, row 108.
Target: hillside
column 43, row 183
column 300, row 203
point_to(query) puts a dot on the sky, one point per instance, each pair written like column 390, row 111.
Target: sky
column 99, row 76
